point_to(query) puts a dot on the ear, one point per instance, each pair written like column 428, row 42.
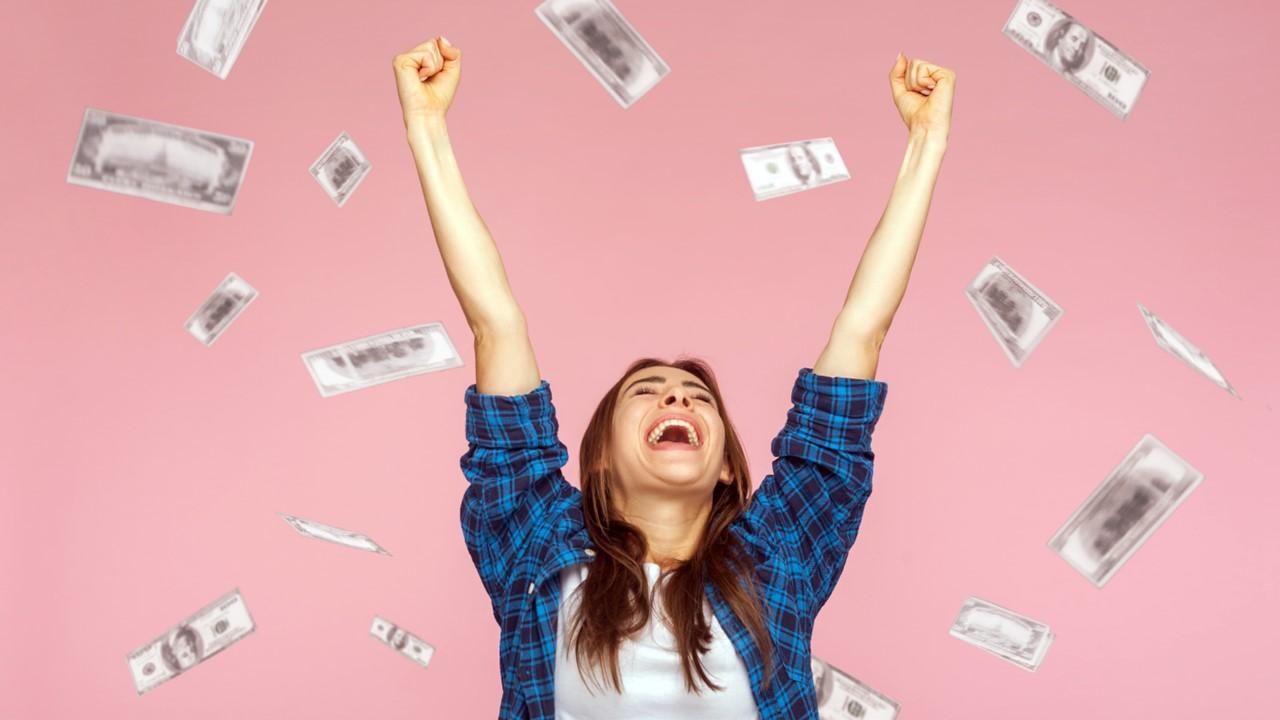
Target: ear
column 724, row 475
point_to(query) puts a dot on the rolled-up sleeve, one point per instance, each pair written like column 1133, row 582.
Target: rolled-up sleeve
column 513, row 469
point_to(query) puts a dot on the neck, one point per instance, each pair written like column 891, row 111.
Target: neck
column 671, row 526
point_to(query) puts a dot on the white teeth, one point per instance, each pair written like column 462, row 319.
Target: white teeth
column 662, row 426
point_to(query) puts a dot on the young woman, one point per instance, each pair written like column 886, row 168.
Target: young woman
column 664, row 588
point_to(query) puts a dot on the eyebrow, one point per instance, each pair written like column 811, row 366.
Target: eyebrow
column 660, row 378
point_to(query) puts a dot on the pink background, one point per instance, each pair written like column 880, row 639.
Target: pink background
column 143, row 471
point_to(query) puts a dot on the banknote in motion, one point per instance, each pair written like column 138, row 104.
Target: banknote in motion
column 1114, row 521
column 332, row 534
column 399, row 639
column 844, row 697
column 1078, row 54
column 210, row 631
column 1016, row 313
column 159, row 161
column 381, row 358
column 340, row 168
column 775, row 170
column 1179, row 347
column 1003, row 633
column 606, row 43
column 226, row 303
column 216, row 31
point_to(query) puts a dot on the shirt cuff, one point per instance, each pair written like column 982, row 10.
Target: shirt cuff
column 836, row 412
column 511, row 421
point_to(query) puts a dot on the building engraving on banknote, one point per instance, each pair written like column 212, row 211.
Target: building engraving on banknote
column 604, row 41
column 381, row 358
column 1017, row 313
column 340, row 168
column 215, row 314
column 1002, row 632
column 215, row 32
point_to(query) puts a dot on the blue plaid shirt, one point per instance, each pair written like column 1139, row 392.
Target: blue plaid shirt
column 523, row 524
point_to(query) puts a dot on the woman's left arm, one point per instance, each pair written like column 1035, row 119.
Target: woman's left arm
column 922, row 93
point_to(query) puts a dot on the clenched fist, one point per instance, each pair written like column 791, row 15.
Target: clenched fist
column 922, row 92
column 426, row 78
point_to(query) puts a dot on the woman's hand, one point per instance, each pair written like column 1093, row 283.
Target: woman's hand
column 427, row 78
column 922, row 92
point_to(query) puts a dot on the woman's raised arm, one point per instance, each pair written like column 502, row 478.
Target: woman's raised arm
column 426, row 80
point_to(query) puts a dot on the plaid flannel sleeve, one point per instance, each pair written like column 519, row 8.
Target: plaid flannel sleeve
column 812, row 503
column 513, row 469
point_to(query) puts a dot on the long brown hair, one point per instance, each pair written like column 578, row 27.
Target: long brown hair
column 614, row 604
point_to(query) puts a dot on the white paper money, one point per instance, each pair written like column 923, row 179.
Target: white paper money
column 216, row 31
column 332, row 534
column 606, row 43
column 1181, row 348
column 786, row 168
column 1135, row 499
column 159, row 161
column 381, row 358
column 1078, row 54
column 844, row 697
column 1003, row 633
column 1014, row 310
column 340, row 168
column 400, row 640
column 205, row 634
column 226, row 303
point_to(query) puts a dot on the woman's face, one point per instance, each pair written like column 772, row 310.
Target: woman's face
column 1072, row 44
column 667, row 467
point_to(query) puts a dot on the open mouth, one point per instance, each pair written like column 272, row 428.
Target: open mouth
column 674, row 434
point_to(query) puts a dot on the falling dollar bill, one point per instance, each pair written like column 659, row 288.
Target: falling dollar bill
column 332, row 534
column 158, row 161
column 340, row 168
column 1078, row 54
column 844, row 697
column 1018, row 314
column 216, row 31
column 226, row 303
column 1179, row 347
column 787, row 168
column 1003, row 633
column 196, row 639
column 397, row 638
column 381, row 358
column 1138, row 495
column 606, row 43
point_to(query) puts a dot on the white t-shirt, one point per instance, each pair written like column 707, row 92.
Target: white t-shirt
column 652, row 680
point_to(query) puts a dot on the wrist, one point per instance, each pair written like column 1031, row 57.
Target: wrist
column 929, row 139
column 425, row 130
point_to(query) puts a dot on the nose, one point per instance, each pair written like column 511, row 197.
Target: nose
column 677, row 395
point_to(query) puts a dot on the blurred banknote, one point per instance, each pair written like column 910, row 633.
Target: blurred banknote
column 787, row 168
column 1138, row 495
column 1017, row 313
column 216, row 31
column 199, row 637
column 1003, row 633
column 1078, row 54
column 1179, row 347
column 607, row 44
column 155, row 160
column 340, row 168
column 224, row 305
column 381, row 358
column 399, row 639
column 332, row 534
column 844, row 697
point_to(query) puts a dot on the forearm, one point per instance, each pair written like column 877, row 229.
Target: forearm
column 880, row 280
column 470, row 256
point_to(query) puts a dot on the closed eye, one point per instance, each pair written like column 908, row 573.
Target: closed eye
column 642, row 390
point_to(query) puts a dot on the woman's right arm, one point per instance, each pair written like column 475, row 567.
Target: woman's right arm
column 426, row 80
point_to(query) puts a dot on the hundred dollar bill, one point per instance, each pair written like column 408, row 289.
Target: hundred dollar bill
column 606, row 43
column 1139, row 494
column 1179, row 347
column 210, row 631
column 1003, row 633
column 381, row 358
column 340, row 168
column 226, row 303
column 159, row 161
column 397, row 638
column 1014, row 310
column 332, row 534
column 844, row 697
column 216, row 31
column 787, row 168
column 1078, row 54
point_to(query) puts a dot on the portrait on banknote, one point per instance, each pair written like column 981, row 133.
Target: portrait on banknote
column 182, row 651
column 1068, row 46
column 397, row 637
column 823, row 679
column 804, row 163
